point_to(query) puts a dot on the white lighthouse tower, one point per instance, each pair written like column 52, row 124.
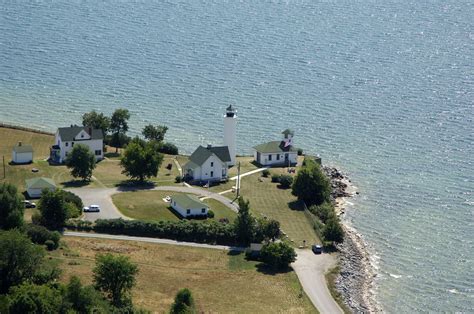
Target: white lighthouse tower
column 230, row 125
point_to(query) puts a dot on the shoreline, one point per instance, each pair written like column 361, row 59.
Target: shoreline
column 356, row 279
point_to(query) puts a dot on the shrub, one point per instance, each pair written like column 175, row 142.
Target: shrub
column 323, row 211
column 275, row 178
column 178, row 179
column 286, row 181
column 277, row 255
column 50, row 245
column 41, row 235
column 210, row 214
column 265, row 173
column 70, row 197
column 72, row 210
column 168, row 148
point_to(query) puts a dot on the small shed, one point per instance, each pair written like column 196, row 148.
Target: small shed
column 35, row 186
column 188, row 205
column 22, row 154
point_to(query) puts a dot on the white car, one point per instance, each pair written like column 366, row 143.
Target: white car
column 92, row 208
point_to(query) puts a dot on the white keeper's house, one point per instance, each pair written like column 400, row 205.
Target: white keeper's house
column 277, row 153
column 208, row 164
column 66, row 138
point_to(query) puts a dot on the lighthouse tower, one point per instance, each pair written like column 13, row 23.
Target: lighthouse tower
column 230, row 125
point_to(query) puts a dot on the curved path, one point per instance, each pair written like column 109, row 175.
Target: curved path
column 108, row 210
column 310, row 269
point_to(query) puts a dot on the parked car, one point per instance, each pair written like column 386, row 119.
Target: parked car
column 317, row 249
column 29, row 204
column 92, row 208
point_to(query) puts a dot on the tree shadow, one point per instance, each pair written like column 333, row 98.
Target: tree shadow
column 265, row 269
column 75, row 183
column 296, row 205
column 130, row 185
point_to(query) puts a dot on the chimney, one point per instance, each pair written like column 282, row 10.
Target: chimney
column 90, row 131
column 209, row 146
column 19, row 143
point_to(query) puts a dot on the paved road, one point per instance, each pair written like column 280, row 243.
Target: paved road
column 310, row 269
column 103, row 198
column 151, row 240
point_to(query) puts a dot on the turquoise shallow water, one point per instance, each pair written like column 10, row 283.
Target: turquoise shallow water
column 383, row 90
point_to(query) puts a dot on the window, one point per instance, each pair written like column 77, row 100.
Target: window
column 270, row 157
column 278, row 156
column 98, row 152
column 72, row 144
column 212, row 164
column 67, row 144
column 82, row 135
column 188, row 211
column 212, row 174
column 203, row 210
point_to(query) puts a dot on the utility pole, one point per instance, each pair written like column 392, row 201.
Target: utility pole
column 4, row 172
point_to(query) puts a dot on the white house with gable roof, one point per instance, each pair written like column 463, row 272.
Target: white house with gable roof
column 208, row 164
column 277, row 153
column 66, row 138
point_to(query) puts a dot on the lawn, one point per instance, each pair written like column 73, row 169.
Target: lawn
column 220, row 282
column 10, row 137
column 149, row 205
column 267, row 199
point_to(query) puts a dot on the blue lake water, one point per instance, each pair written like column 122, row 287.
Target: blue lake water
column 382, row 89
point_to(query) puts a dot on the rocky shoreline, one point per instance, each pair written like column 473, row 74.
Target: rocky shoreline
column 355, row 282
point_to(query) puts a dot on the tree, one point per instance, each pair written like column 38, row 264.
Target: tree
column 244, row 223
column 29, row 298
column 141, row 160
column 115, row 275
column 155, row 133
column 82, row 161
column 96, row 121
column 19, row 259
column 277, row 255
column 323, row 211
column 53, row 209
column 11, row 207
column 119, row 125
column 333, row 230
column 183, row 303
column 84, row 299
column 269, row 229
column 311, row 185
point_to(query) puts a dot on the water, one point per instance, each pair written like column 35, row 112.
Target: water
column 381, row 89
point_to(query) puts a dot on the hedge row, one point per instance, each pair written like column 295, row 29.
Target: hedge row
column 211, row 232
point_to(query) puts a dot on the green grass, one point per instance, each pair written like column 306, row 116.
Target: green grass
column 149, row 205
column 266, row 199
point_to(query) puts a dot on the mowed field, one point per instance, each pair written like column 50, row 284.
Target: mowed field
column 149, row 205
column 267, row 199
column 220, row 282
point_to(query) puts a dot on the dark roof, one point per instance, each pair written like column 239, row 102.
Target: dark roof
column 275, row 147
column 68, row 134
column 201, row 154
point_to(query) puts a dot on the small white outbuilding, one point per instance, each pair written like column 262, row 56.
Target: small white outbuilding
column 35, row 186
column 188, row 205
column 22, row 154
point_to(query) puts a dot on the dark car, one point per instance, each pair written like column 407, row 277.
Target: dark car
column 29, row 204
column 317, row 249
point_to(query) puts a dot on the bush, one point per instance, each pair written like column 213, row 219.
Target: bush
column 277, row 255
column 323, row 211
column 168, row 148
column 82, row 225
column 50, row 245
column 70, row 197
column 265, row 173
column 72, row 210
column 41, row 235
column 178, row 179
column 286, row 181
column 300, row 151
column 275, row 178
column 210, row 214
